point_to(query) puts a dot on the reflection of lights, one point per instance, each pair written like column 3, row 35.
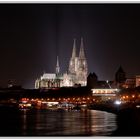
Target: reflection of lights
column 117, row 102
column 83, row 98
column 48, row 99
column 126, row 96
column 88, row 98
column 73, row 98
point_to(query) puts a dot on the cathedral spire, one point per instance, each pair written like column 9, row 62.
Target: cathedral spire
column 57, row 66
column 81, row 53
column 74, row 49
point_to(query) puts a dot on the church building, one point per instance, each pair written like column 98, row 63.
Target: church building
column 76, row 75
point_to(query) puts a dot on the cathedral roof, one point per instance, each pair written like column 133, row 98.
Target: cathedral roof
column 48, row 76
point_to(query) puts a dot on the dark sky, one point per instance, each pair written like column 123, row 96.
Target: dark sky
column 31, row 36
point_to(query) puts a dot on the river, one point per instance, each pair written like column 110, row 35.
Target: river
column 56, row 123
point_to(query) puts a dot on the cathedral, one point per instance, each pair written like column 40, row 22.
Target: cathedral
column 76, row 75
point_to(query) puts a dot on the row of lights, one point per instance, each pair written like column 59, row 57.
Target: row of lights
column 68, row 99
column 59, row 99
column 128, row 97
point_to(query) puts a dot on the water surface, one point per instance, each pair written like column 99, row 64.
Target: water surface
column 57, row 123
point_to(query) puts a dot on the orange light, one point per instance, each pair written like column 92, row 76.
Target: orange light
column 123, row 97
column 126, row 96
column 133, row 96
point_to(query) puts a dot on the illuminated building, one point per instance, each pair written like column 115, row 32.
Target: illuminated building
column 78, row 67
column 106, row 93
column 130, row 83
column 137, row 80
column 76, row 75
column 50, row 80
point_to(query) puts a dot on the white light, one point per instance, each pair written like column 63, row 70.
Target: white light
column 52, row 103
column 117, row 102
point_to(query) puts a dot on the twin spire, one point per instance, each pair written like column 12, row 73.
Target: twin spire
column 57, row 66
column 81, row 53
column 74, row 49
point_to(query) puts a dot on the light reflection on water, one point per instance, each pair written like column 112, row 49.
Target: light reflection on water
column 64, row 123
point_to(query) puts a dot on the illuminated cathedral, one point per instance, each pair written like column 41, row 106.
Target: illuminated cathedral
column 76, row 75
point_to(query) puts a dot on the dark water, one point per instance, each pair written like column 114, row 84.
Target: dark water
column 56, row 123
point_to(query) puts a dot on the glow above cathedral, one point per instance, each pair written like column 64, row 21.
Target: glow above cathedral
column 77, row 72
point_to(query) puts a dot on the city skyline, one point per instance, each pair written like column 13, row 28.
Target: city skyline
column 32, row 38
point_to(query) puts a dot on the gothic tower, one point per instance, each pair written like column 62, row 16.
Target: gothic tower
column 73, row 60
column 78, row 66
column 82, row 66
column 57, row 66
column 120, row 77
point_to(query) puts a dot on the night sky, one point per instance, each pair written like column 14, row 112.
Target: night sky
column 31, row 37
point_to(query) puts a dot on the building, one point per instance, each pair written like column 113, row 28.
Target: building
column 105, row 94
column 78, row 68
column 137, row 80
column 50, row 80
column 92, row 80
column 120, row 77
column 130, row 83
column 76, row 75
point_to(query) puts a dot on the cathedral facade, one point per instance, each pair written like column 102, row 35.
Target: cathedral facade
column 76, row 75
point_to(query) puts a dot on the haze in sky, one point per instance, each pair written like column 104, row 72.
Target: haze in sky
column 33, row 35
